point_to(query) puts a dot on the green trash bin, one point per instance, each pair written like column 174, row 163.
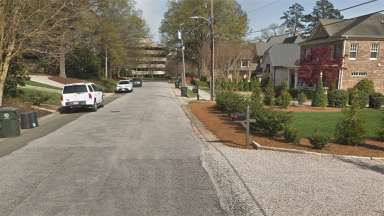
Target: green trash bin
column 184, row 91
column 9, row 122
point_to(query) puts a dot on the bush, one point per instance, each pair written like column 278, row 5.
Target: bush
column 380, row 134
column 376, row 100
column 230, row 102
column 318, row 140
column 302, row 98
column 359, row 98
column 319, row 98
column 338, row 98
column 349, row 130
column 271, row 123
column 291, row 135
column 269, row 94
column 36, row 97
column 365, row 86
column 285, row 99
column 17, row 76
column 107, row 85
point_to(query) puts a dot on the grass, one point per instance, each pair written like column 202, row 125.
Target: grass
column 41, row 85
column 308, row 122
column 53, row 97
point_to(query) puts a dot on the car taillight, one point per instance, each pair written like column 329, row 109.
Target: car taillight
column 89, row 95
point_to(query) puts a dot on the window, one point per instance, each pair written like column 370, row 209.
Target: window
column 353, row 50
column 90, row 88
column 74, row 89
column 375, row 47
column 244, row 63
column 359, row 74
column 307, row 52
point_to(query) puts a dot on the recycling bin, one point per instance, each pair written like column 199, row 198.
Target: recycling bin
column 184, row 91
column 9, row 122
column 28, row 120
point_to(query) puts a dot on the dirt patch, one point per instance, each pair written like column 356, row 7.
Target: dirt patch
column 306, row 108
column 233, row 134
column 24, row 106
column 64, row 81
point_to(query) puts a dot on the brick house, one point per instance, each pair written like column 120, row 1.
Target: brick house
column 359, row 42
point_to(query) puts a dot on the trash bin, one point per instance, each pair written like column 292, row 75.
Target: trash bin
column 177, row 84
column 28, row 120
column 9, row 122
column 184, row 91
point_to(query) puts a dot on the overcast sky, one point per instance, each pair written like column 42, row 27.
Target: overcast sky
column 261, row 13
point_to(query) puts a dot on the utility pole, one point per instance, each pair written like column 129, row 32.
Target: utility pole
column 212, row 56
column 106, row 63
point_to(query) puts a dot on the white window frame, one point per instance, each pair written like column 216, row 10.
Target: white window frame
column 244, row 61
column 359, row 74
column 354, row 48
column 375, row 48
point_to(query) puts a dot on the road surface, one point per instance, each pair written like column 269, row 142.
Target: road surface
column 136, row 156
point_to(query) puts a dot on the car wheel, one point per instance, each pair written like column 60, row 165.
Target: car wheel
column 94, row 108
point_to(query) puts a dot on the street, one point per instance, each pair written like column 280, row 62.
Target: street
column 136, row 156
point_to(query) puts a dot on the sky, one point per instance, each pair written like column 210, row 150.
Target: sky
column 261, row 13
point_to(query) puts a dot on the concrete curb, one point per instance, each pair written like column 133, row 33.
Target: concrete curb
column 257, row 146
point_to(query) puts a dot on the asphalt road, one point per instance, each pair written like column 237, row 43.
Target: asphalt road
column 136, row 156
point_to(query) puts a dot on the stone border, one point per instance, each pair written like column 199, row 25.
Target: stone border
column 257, row 146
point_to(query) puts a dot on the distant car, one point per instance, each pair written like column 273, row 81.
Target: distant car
column 81, row 95
column 137, row 82
column 124, row 86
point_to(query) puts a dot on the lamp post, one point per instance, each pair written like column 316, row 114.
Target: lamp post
column 210, row 22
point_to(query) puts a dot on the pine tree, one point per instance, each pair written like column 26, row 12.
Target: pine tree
column 319, row 98
column 294, row 18
column 324, row 9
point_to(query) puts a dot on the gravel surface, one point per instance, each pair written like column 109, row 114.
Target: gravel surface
column 298, row 184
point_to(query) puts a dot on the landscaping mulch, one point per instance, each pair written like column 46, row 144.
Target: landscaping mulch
column 64, row 81
column 233, row 134
column 24, row 106
column 307, row 108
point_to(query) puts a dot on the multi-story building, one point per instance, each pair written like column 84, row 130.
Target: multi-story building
column 358, row 42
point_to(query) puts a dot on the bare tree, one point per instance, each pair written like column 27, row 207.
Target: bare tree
column 33, row 26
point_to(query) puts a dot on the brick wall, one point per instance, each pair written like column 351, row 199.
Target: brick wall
column 363, row 63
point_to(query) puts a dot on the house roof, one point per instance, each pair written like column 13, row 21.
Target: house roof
column 260, row 48
column 370, row 25
column 284, row 55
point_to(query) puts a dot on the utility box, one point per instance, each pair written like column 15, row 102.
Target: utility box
column 28, row 120
column 9, row 122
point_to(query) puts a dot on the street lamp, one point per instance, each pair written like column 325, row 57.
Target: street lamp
column 212, row 72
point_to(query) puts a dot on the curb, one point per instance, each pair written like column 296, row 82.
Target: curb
column 257, row 146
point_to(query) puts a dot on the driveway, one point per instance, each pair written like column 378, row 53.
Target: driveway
column 136, row 156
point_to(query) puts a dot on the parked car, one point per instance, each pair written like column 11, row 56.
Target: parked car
column 124, row 86
column 137, row 82
column 81, row 95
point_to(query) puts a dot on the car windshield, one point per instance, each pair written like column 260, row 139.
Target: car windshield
column 74, row 89
column 124, row 82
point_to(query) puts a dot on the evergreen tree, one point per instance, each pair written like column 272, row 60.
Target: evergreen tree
column 293, row 18
column 324, row 9
column 319, row 98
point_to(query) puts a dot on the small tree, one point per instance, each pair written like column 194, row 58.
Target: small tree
column 269, row 94
column 349, row 130
column 319, row 98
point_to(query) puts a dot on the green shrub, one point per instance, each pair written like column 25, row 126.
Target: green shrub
column 291, row 135
column 318, row 140
column 338, row 98
column 269, row 94
column 380, row 134
column 376, row 100
column 319, row 98
column 301, row 98
column 271, row 123
column 308, row 93
column 231, row 102
column 107, row 85
column 36, row 97
column 349, row 130
column 285, row 99
column 365, row 86
column 359, row 98
column 294, row 92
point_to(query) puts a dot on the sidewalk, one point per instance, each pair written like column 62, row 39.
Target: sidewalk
column 254, row 182
column 45, row 79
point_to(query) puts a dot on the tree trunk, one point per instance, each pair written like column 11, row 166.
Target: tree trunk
column 62, row 62
column 3, row 75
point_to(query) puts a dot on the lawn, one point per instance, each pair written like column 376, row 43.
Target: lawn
column 29, row 93
column 308, row 122
column 41, row 85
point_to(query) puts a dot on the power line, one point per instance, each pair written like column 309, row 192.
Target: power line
column 344, row 9
column 263, row 6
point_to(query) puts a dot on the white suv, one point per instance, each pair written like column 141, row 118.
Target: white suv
column 124, row 86
column 81, row 95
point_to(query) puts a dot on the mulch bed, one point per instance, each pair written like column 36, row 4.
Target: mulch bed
column 307, row 108
column 24, row 106
column 64, row 81
column 233, row 134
